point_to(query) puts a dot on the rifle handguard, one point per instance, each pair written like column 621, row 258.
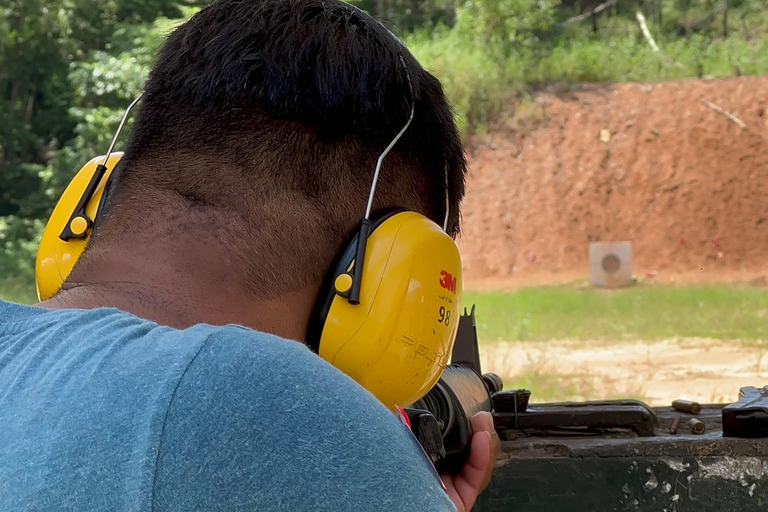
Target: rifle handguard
column 459, row 394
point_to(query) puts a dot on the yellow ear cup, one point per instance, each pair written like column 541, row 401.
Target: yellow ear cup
column 55, row 257
column 397, row 341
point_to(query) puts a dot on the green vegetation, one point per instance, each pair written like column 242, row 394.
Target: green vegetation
column 642, row 313
column 564, row 387
column 552, row 387
column 68, row 68
column 481, row 75
column 17, row 290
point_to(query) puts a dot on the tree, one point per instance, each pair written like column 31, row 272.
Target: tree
column 68, row 68
column 506, row 24
column 35, row 51
column 406, row 15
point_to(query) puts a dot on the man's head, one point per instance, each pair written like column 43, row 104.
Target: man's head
column 258, row 134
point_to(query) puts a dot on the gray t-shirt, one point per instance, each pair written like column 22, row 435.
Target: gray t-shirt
column 101, row 410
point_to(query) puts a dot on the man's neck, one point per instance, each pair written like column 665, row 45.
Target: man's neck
column 179, row 290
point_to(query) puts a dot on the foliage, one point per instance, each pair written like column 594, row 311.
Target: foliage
column 68, row 68
column 474, row 84
column 407, row 15
column 482, row 61
column 506, row 25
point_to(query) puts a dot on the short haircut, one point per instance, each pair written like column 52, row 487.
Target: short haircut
column 253, row 103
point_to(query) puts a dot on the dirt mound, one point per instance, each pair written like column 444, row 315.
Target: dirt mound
column 651, row 164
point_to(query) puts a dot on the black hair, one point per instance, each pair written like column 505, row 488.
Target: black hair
column 253, row 98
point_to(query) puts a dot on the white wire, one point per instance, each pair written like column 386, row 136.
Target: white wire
column 447, row 201
column 120, row 127
column 391, row 145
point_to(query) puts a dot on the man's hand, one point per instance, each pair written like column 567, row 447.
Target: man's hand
column 475, row 476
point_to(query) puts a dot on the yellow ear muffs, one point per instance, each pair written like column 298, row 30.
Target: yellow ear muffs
column 397, row 341
column 70, row 225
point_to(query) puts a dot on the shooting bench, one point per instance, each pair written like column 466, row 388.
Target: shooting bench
column 626, row 459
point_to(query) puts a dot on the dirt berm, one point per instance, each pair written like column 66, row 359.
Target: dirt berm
column 647, row 163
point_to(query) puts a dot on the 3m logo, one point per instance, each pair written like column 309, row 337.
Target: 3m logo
column 448, row 281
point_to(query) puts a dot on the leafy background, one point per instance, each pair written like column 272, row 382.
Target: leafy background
column 68, row 69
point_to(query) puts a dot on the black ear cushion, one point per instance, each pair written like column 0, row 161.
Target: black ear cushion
column 340, row 264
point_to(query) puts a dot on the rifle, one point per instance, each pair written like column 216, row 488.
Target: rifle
column 748, row 417
column 441, row 419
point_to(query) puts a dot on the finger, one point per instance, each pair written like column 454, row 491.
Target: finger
column 495, row 443
column 447, row 479
column 470, row 482
column 484, row 422
column 495, row 452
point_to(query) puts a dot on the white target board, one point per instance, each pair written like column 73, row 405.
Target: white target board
column 610, row 264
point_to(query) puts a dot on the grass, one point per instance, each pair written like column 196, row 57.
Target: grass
column 627, row 59
column 17, row 290
column 643, row 312
column 564, row 387
column 572, row 342
column 551, row 387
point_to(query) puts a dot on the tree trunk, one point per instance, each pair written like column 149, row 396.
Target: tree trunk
column 725, row 18
column 744, row 26
column 30, row 105
column 449, row 12
column 659, row 7
column 12, row 105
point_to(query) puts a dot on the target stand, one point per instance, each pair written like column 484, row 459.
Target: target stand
column 610, row 264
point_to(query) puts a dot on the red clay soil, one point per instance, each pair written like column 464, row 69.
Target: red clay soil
column 686, row 185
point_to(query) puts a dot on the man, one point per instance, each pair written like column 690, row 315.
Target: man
column 248, row 165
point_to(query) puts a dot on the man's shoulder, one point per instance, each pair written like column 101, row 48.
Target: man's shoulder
column 223, row 418
column 259, row 422
column 277, row 373
column 270, row 357
column 230, row 340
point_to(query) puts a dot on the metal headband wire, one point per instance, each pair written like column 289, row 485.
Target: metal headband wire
column 391, row 144
column 120, row 127
column 377, row 172
column 447, row 201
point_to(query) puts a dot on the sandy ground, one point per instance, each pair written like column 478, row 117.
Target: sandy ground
column 708, row 371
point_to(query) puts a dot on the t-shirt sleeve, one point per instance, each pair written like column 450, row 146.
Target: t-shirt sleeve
column 261, row 423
